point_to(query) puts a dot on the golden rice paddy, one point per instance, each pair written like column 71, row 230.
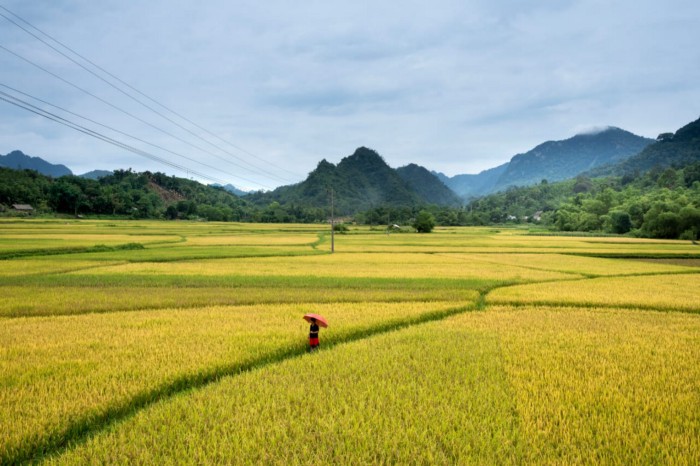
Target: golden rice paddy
column 464, row 346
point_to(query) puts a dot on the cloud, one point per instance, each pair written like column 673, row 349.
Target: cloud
column 591, row 130
column 455, row 86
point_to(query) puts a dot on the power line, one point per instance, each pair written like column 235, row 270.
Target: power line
column 129, row 95
column 267, row 173
column 63, row 121
column 119, row 108
column 120, row 132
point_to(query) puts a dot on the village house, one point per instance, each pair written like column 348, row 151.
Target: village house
column 26, row 208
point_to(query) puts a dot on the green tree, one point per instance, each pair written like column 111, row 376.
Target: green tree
column 620, row 222
column 690, row 222
column 424, row 222
column 664, row 225
column 65, row 196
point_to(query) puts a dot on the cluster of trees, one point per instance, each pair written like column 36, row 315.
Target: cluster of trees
column 142, row 195
column 662, row 203
column 124, row 193
column 659, row 204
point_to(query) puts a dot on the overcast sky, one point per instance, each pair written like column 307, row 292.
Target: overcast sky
column 455, row 86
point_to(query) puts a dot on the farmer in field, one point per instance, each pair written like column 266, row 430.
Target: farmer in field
column 315, row 320
column 313, row 335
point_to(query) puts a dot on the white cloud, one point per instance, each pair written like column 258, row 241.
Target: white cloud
column 454, row 86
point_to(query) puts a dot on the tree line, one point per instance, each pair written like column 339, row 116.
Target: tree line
column 661, row 203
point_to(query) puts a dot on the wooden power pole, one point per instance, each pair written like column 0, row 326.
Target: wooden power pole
column 332, row 225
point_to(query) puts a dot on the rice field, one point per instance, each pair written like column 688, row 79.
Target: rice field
column 464, row 346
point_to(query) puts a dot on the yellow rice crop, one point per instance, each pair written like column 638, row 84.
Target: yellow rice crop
column 508, row 242
column 664, row 292
column 64, row 240
column 59, row 369
column 507, row 386
column 18, row 267
column 420, row 396
column 596, row 386
column 253, row 239
column 35, row 301
column 344, row 265
column 521, row 384
column 574, row 264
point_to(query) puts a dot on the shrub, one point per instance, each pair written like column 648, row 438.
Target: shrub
column 424, row 222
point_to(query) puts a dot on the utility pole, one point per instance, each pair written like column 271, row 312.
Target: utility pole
column 332, row 225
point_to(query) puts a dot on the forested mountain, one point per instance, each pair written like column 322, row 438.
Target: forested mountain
column 19, row 161
column 671, row 150
column 659, row 204
column 468, row 186
column 360, row 181
column 551, row 161
column 428, row 186
column 561, row 160
column 655, row 193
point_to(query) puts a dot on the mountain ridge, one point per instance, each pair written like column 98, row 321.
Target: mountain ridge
column 428, row 185
column 363, row 180
column 18, row 160
column 552, row 161
column 560, row 160
column 359, row 181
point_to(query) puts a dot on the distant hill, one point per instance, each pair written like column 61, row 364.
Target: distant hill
column 552, row 161
column 96, row 174
column 651, row 194
column 561, row 160
column 231, row 188
column 468, row 186
column 360, row 181
column 671, row 150
column 17, row 160
column 427, row 185
column 123, row 193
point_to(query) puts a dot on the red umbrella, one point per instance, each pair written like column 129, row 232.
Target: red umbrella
column 320, row 320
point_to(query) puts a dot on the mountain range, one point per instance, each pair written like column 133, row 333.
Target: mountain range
column 363, row 180
column 20, row 161
column 552, row 161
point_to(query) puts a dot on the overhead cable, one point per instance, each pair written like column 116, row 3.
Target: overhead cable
column 266, row 173
column 124, row 133
column 118, row 108
column 63, row 121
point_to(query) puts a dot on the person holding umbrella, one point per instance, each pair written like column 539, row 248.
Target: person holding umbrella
column 315, row 320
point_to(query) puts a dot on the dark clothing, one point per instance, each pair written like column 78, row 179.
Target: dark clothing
column 313, row 331
column 313, row 336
